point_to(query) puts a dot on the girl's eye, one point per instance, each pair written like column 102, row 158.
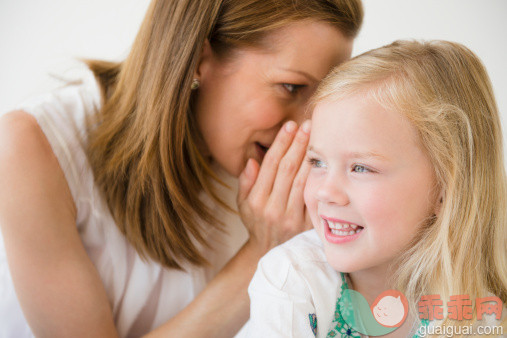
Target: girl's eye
column 292, row 88
column 358, row 168
column 315, row 163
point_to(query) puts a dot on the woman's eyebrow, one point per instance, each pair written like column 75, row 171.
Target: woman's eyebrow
column 300, row 72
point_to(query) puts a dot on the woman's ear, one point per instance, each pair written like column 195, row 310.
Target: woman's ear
column 205, row 62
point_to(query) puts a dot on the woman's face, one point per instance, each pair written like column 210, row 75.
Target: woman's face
column 242, row 102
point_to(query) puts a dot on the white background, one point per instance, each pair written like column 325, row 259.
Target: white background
column 43, row 37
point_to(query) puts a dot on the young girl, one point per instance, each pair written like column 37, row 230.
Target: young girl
column 407, row 191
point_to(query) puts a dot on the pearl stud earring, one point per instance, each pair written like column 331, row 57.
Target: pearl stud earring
column 195, row 84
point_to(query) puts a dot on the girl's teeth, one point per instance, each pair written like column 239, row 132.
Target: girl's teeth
column 343, row 229
column 344, row 233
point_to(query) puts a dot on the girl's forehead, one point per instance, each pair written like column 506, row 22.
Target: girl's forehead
column 358, row 124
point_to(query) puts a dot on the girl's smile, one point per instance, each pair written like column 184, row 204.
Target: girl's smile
column 339, row 231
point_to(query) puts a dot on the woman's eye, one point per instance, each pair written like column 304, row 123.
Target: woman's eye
column 358, row 168
column 292, row 88
column 315, row 163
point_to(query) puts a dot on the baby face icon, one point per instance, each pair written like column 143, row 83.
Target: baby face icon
column 390, row 308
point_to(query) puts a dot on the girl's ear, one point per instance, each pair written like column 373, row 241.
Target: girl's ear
column 205, row 62
column 439, row 202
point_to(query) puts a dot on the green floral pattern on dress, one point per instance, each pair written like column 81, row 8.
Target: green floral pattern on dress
column 339, row 328
column 313, row 323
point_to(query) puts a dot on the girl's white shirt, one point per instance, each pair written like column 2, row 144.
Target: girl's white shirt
column 292, row 282
column 142, row 293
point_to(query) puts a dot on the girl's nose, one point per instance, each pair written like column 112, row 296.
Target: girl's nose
column 332, row 191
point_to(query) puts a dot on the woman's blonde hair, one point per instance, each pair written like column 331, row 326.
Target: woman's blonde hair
column 144, row 146
column 444, row 90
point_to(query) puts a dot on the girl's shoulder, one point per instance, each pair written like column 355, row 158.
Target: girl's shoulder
column 293, row 284
column 304, row 248
column 299, row 261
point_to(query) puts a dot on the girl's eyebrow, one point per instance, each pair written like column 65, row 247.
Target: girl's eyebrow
column 367, row 154
column 356, row 155
column 311, row 149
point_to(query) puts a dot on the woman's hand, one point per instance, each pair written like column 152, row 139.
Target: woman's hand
column 270, row 198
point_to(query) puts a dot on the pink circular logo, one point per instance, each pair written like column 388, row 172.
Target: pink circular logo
column 390, row 308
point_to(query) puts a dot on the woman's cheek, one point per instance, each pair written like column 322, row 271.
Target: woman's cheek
column 266, row 115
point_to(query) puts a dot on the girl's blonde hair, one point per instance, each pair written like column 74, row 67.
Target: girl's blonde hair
column 444, row 90
column 144, row 146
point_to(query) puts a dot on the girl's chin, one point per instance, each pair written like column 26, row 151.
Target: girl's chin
column 345, row 265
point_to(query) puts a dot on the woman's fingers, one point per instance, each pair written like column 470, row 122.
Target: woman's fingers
column 290, row 167
column 269, row 167
column 270, row 198
column 247, row 179
column 296, row 203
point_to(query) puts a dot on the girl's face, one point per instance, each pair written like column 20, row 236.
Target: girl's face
column 370, row 186
column 242, row 103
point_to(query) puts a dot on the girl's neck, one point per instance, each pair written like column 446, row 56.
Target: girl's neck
column 370, row 282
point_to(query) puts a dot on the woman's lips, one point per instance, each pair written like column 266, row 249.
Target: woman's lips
column 261, row 150
column 338, row 231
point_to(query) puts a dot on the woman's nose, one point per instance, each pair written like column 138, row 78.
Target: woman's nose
column 332, row 191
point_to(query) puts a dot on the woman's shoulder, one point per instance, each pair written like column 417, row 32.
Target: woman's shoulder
column 62, row 118
column 69, row 108
column 23, row 145
column 47, row 137
column 28, row 168
column 19, row 131
column 79, row 91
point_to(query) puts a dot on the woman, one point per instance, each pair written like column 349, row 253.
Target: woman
column 116, row 193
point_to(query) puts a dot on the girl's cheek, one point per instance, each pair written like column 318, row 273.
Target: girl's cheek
column 310, row 190
column 378, row 206
column 310, row 197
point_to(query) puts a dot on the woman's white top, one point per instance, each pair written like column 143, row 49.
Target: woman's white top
column 293, row 282
column 142, row 293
